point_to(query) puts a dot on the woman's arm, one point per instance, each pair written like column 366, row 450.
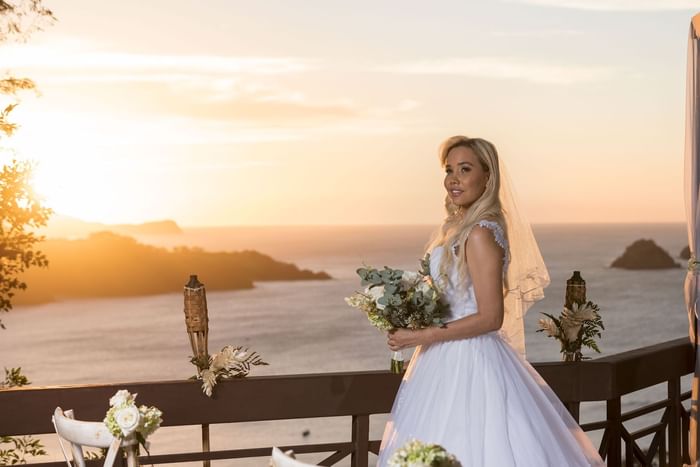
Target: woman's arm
column 485, row 263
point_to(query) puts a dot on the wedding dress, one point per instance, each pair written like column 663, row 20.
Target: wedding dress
column 481, row 400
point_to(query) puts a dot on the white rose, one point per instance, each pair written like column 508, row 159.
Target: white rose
column 423, row 287
column 376, row 293
column 120, row 398
column 409, row 276
column 128, row 419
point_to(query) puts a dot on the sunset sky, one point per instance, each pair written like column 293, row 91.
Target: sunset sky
column 330, row 112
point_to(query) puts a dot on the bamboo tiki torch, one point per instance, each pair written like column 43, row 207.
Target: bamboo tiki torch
column 197, row 321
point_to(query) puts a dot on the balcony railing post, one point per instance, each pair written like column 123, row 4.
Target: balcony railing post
column 205, row 443
column 360, row 441
column 614, row 415
column 574, row 409
column 674, row 421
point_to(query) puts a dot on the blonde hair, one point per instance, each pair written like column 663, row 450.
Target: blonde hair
column 457, row 225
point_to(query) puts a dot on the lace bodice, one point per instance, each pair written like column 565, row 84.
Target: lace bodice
column 461, row 297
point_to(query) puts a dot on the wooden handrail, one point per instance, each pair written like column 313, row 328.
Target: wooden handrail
column 27, row 410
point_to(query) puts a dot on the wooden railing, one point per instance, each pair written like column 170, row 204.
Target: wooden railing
column 27, row 411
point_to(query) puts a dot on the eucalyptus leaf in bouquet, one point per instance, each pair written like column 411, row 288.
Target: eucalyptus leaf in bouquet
column 397, row 299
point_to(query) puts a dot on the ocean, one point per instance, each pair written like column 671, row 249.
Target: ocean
column 305, row 326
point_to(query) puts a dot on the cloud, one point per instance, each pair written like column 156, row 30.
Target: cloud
column 503, row 68
column 191, row 99
column 617, row 5
column 538, row 33
column 75, row 59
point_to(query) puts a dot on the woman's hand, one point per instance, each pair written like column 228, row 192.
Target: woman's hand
column 401, row 338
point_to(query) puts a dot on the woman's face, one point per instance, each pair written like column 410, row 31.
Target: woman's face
column 465, row 178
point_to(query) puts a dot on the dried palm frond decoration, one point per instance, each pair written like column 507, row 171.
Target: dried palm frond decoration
column 230, row 362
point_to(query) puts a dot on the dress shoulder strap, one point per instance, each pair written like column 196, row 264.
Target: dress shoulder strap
column 499, row 236
column 497, row 231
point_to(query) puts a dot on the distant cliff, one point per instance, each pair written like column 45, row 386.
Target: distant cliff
column 61, row 226
column 109, row 265
column 148, row 228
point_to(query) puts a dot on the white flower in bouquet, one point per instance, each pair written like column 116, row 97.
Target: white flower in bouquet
column 417, row 454
column 426, row 287
column 396, row 299
column 126, row 421
column 150, row 420
column 410, row 278
column 375, row 293
column 122, row 397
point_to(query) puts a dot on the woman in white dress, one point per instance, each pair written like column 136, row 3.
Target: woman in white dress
column 468, row 386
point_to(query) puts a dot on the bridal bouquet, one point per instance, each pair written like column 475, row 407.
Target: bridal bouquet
column 231, row 362
column 393, row 299
column 128, row 422
column 417, row 454
column 574, row 328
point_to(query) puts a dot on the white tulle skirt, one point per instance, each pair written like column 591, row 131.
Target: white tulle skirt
column 485, row 404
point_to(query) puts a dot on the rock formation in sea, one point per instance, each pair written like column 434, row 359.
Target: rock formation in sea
column 685, row 253
column 644, row 254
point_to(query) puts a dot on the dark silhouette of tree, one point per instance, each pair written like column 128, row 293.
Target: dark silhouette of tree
column 21, row 212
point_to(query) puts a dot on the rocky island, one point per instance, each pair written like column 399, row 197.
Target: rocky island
column 685, row 253
column 106, row 264
column 644, row 254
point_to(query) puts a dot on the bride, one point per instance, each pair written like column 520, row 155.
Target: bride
column 468, row 386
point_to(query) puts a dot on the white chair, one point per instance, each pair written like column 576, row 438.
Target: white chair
column 286, row 459
column 91, row 434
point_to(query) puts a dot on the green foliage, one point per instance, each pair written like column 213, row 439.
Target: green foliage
column 14, row 378
column 586, row 317
column 95, row 455
column 20, row 209
column 15, row 450
column 20, row 18
column 403, row 299
column 20, row 212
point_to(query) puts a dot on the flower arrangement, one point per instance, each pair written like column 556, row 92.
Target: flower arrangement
column 231, row 362
column 128, row 422
column 394, row 299
column 574, row 328
column 417, row 454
